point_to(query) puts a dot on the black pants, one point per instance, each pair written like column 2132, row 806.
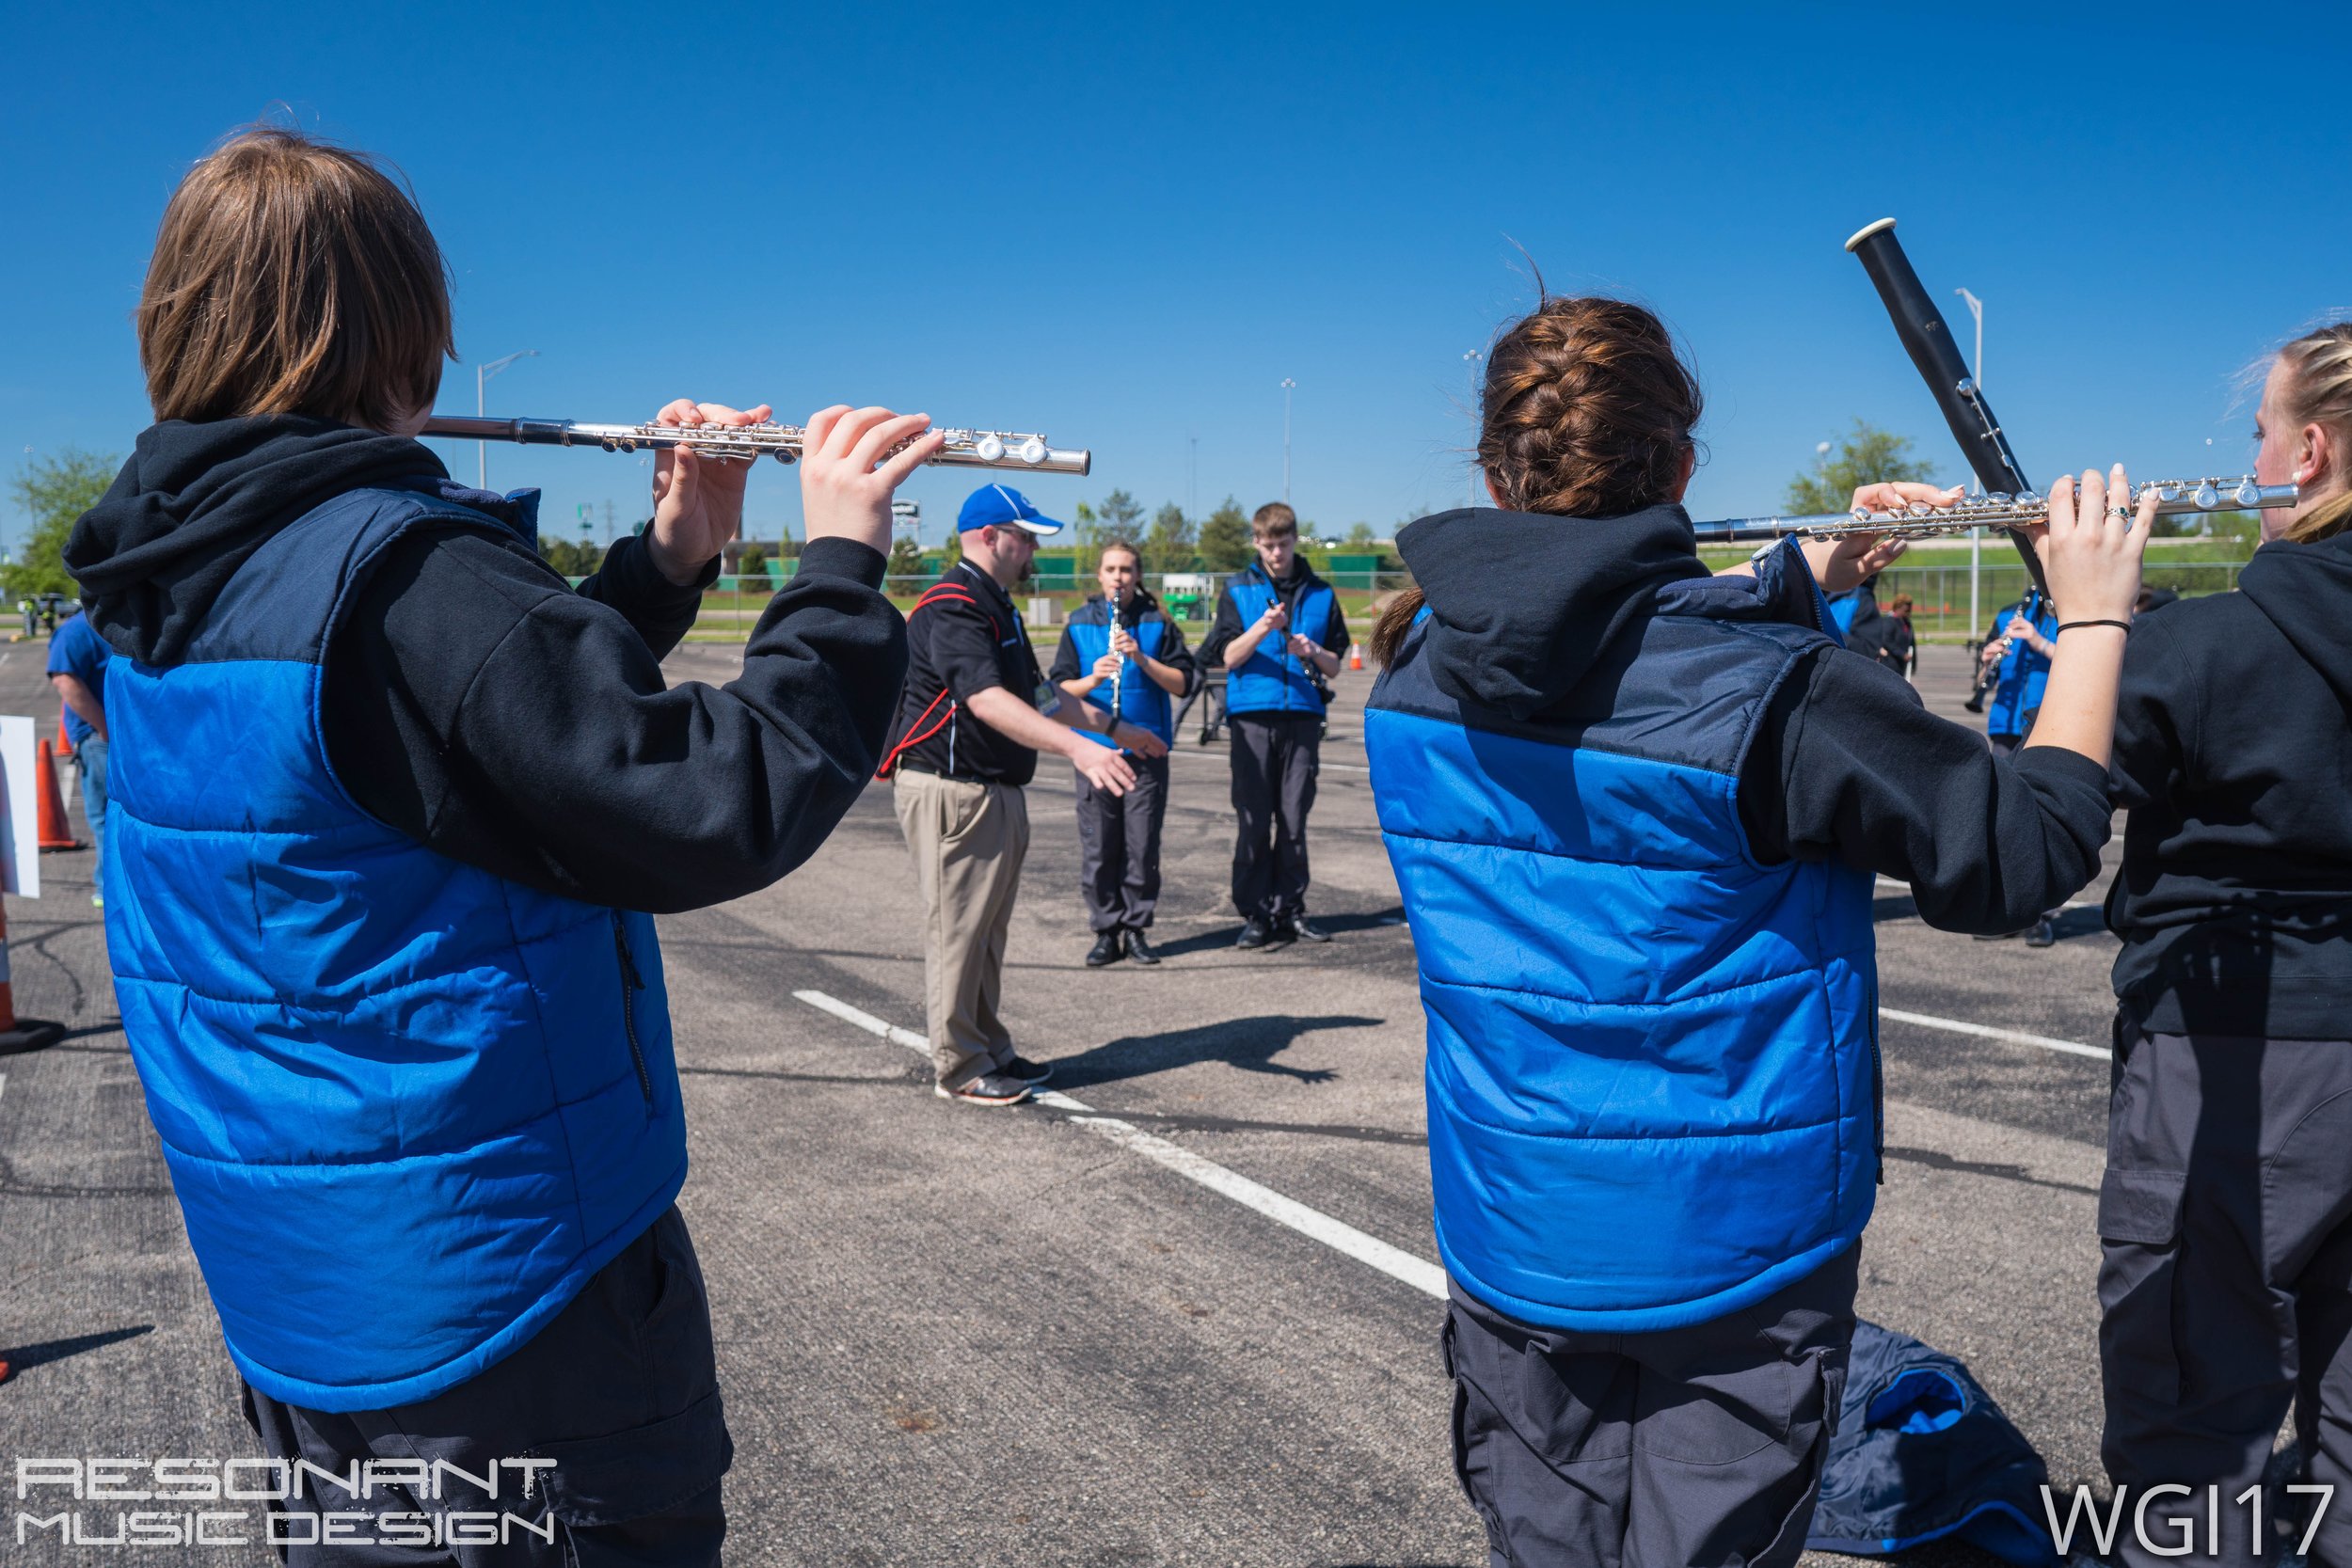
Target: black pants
column 1119, row 848
column 1699, row 1446
column 2225, row 1280
column 1275, row 758
column 620, row 1390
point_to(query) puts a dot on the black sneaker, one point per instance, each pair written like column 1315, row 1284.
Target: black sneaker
column 1107, row 949
column 1139, row 949
column 2044, row 933
column 1254, row 933
column 2001, row 936
column 1022, row 1070
column 1302, row 927
column 989, row 1089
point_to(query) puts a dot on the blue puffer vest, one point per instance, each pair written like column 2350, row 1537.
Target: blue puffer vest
column 1271, row 680
column 1141, row 702
column 409, row 1107
column 1652, row 1061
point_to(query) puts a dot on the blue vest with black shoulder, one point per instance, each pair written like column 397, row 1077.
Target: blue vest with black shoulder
column 1652, row 1060
column 1141, row 702
column 409, row 1107
column 1271, row 679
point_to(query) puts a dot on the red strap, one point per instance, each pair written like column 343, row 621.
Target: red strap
column 912, row 739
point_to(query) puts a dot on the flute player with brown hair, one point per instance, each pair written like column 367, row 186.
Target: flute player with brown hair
column 390, row 978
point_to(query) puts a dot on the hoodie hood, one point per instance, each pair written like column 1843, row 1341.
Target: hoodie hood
column 2306, row 592
column 196, row 500
column 1523, row 606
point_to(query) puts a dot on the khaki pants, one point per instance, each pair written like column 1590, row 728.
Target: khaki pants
column 968, row 839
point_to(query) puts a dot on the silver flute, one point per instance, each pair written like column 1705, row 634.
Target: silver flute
column 971, row 449
column 1918, row 520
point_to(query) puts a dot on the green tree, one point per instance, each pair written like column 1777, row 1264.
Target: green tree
column 1121, row 515
column 1168, row 546
column 1361, row 537
column 1223, row 542
column 53, row 492
column 1867, row 455
column 754, row 561
column 906, row 559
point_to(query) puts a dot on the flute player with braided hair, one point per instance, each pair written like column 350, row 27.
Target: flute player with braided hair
column 1635, row 811
column 2225, row 1216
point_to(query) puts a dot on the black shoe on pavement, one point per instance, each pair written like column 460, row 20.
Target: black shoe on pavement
column 1107, row 949
column 1022, row 1070
column 989, row 1089
column 1140, row 948
column 1301, row 925
column 2045, row 934
column 1254, row 933
column 2001, row 936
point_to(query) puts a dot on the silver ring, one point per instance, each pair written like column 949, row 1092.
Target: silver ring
column 2122, row 512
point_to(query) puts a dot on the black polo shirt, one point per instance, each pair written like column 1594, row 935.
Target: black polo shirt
column 964, row 637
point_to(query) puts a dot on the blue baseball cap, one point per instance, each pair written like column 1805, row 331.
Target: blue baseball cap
column 1001, row 506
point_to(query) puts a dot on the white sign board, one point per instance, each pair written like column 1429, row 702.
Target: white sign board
column 20, row 811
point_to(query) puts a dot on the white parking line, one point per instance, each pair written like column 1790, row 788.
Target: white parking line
column 1338, row 1235
column 2015, row 1037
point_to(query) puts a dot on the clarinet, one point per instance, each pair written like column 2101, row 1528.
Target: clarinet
column 1119, row 672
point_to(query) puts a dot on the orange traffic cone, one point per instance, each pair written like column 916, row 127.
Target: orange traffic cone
column 55, row 832
column 1354, row 655
column 65, row 732
column 19, row 1035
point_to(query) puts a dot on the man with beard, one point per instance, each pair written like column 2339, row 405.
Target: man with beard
column 974, row 716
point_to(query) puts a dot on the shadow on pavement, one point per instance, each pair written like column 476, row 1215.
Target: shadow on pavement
column 57, row 1350
column 1248, row 1043
column 1338, row 925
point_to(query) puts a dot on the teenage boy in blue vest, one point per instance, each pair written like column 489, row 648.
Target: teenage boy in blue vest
column 395, row 804
column 1281, row 635
column 77, row 667
column 1144, row 657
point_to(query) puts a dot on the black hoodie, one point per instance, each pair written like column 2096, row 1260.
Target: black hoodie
column 477, row 703
column 2233, row 753
column 1539, row 616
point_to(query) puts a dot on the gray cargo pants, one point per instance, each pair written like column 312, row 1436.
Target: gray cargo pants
column 2225, row 1281
column 1701, row 1446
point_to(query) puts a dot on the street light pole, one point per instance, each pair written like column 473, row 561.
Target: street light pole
column 482, row 374
column 1470, row 359
column 1975, row 535
column 1287, row 384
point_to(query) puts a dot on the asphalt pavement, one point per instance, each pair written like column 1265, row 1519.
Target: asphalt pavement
column 1187, row 1320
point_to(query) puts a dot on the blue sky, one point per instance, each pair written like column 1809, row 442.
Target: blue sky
column 1124, row 225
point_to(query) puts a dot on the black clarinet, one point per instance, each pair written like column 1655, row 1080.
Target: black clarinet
column 1920, row 325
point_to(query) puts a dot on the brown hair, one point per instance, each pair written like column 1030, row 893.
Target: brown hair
column 291, row 276
column 1899, row 605
column 1126, row 545
column 1587, row 412
column 1273, row 520
column 2318, row 390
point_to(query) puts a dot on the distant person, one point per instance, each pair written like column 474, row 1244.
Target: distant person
column 2016, row 660
column 972, row 719
column 1119, row 836
column 1896, row 646
column 2015, row 664
column 2225, row 1214
column 1635, row 812
column 77, row 667
column 1281, row 637
column 396, row 804
column 2155, row 598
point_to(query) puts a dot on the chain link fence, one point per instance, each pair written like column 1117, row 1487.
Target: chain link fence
column 1939, row 594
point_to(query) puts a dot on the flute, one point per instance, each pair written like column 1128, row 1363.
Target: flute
column 965, row 448
column 1919, row 520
